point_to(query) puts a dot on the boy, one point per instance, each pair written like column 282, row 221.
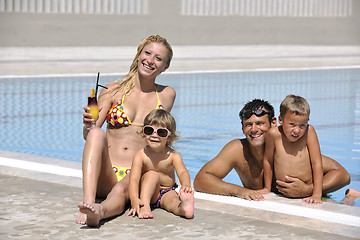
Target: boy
column 292, row 149
column 152, row 173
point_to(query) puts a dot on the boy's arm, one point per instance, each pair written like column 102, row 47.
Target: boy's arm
column 316, row 164
column 268, row 162
column 134, row 182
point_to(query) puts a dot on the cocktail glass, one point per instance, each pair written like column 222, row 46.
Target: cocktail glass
column 94, row 109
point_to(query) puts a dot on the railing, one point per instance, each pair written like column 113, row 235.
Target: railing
column 76, row 6
column 246, row 8
column 267, row 8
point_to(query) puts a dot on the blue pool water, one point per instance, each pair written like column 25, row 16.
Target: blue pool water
column 43, row 115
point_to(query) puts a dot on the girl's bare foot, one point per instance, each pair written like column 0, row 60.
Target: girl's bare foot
column 81, row 219
column 93, row 213
column 187, row 203
column 145, row 212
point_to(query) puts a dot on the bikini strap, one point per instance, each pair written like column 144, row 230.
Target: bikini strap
column 158, row 105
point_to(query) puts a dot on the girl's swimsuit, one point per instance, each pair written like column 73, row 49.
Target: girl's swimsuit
column 162, row 193
column 117, row 116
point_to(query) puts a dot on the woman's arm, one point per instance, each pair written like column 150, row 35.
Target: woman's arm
column 167, row 96
column 104, row 103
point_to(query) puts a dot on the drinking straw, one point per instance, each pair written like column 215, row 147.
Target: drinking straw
column 97, row 84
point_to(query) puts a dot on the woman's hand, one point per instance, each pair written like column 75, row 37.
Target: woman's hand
column 87, row 120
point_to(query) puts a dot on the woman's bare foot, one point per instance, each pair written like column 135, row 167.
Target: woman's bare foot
column 351, row 193
column 145, row 212
column 93, row 213
column 81, row 219
column 187, row 203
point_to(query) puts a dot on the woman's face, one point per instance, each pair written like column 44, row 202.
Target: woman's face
column 153, row 59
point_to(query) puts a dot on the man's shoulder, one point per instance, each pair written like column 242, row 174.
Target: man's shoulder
column 237, row 142
column 235, row 146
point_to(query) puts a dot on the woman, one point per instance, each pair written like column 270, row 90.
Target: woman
column 107, row 157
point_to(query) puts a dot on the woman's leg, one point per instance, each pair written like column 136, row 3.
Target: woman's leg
column 113, row 205
column 98, row 176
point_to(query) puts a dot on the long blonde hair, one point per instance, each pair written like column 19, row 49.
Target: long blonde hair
column 127, row 82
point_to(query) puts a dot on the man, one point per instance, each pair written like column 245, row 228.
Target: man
column 246, row 157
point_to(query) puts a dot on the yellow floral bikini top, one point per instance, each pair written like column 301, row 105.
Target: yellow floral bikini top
column 117, row 116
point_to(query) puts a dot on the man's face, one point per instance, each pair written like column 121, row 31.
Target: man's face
column 255, row 129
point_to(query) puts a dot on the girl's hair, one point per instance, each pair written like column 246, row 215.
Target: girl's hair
column 127, row 82
column 295, row 104
column 160, row 117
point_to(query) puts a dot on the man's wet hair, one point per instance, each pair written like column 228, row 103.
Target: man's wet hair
column 255, row 105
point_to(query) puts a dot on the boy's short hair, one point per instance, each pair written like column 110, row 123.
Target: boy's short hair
column 160, row 117
column 295, row 104
column 255, row 105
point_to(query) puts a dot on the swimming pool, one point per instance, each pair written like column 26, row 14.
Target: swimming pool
column 42, row 115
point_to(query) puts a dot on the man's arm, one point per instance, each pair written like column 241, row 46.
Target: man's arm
column 209, row 178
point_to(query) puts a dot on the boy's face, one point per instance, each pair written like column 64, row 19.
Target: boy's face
column 255, row 129
column 156, row 137
column 293, row 125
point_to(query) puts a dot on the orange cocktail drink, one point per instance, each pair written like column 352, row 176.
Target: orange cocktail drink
column 92, row 104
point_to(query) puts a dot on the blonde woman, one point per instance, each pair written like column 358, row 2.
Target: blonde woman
column 107, row 157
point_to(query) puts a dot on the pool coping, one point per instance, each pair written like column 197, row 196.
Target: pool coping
column 329, row 217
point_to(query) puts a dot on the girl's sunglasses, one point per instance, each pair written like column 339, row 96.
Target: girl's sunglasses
column 161, row 132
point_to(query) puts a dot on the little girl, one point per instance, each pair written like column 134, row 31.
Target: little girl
column 152, row 172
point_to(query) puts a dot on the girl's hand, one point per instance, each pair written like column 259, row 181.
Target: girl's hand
column 135, row 207
column 186, row 189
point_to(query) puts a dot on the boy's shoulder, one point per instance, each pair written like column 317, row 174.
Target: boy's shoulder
column 309, row 126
